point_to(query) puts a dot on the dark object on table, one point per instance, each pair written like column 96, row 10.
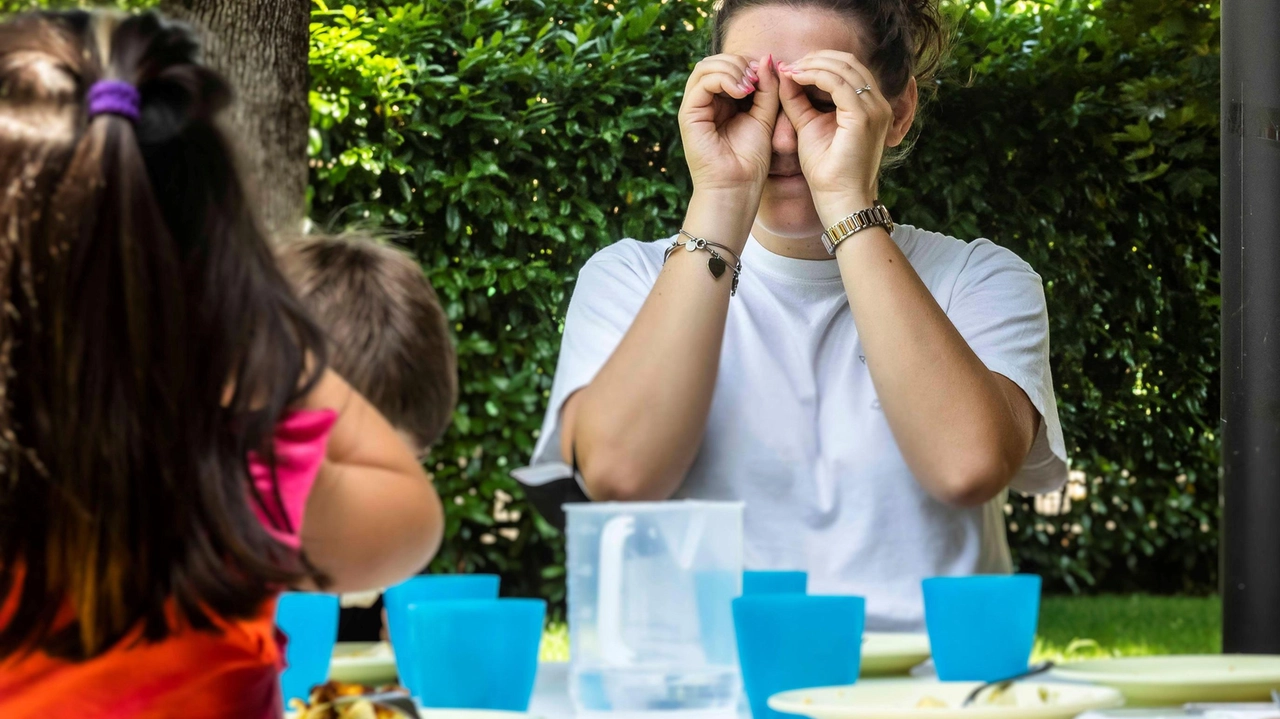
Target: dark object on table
column 549, row 487
column 361, row 624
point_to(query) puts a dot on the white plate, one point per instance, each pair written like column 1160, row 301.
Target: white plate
column 1181, row 679
column 370, row 663
column 885, row 654
column 898, row 699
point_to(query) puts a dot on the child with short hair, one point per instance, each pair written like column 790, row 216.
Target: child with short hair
column 389, row 337
column 173, row 450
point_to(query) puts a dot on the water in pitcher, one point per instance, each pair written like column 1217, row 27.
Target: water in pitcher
column 650, row 590
column 712, row 691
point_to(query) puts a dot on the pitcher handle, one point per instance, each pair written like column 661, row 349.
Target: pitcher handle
column 613, row 543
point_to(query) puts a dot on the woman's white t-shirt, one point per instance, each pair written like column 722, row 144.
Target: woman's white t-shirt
column 796, row 430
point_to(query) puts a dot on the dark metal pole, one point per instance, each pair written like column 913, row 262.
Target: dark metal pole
column 1250, row 236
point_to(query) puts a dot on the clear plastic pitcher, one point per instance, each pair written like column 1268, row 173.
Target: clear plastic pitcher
column 651, row 587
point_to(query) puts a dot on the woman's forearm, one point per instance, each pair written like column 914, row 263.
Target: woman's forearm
column 637, row 427
column 963, row 430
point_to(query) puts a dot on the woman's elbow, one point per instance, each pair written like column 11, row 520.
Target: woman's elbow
column 613, row 469
column 621, row 480
column 968, row 485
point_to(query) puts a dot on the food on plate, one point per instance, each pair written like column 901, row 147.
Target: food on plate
column 1000, row 696
column 337, row 700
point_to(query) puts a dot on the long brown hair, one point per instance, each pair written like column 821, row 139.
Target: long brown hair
column 147, row 344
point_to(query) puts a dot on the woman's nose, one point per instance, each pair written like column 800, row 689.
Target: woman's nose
column 784, row 136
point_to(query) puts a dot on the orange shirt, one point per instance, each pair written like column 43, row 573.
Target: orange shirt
column 190, row 675
column 231, row 674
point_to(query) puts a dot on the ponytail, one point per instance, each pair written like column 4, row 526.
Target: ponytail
column 151, row 344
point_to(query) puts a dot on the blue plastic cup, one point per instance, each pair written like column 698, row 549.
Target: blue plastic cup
column 476, row 654
column 758, row 582
column 796, row 641
column 981, row 628
column 427, row 588
column 310, row 623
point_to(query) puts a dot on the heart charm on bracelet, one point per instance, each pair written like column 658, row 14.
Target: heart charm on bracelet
column 716, row 264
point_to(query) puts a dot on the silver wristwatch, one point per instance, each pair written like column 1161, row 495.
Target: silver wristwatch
column 876, row 216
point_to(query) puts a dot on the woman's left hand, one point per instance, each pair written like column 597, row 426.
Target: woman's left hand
column 840, row 147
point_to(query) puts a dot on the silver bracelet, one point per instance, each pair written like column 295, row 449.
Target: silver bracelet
column 716, row 264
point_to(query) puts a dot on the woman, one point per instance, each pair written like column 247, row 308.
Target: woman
column 872, row 395
column 173, row 451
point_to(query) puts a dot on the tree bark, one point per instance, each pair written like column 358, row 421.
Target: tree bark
column 261, row 47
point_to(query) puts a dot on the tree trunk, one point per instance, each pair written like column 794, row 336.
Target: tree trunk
column 262, row 48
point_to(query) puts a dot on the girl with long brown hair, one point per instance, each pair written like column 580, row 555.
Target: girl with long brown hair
column 173, row 452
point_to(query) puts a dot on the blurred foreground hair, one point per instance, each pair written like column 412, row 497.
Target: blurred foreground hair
column 148, row 344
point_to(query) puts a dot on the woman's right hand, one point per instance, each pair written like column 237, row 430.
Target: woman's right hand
column 728, row 145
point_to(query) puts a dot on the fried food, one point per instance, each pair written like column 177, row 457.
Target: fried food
column 333, row 700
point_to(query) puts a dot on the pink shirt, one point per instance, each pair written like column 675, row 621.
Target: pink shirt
column 301, row 441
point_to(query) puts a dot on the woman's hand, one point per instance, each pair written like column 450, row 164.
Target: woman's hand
column 726, row 121
column 841, row 140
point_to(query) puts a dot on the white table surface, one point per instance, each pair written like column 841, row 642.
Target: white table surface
column 551, row 692
column 551, row 701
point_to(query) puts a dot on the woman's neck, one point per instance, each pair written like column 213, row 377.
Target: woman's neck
column 800, row 248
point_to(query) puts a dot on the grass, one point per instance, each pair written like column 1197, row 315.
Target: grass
column 1084, row 628
column 555, row 644
column 1132, row 625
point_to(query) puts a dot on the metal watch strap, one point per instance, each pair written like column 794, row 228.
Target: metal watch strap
column 874, row 216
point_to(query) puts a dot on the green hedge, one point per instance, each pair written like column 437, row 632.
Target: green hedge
column 511, row 140
column 1087, row 142
column 514, row 139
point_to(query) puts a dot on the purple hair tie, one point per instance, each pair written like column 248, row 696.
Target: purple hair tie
column 114, row 97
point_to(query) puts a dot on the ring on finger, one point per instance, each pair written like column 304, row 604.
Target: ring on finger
column 864, row 88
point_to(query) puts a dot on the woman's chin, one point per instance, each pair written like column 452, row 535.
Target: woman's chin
column 790, row 217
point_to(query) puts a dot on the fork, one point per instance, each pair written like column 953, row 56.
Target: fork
column 1002, row 684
